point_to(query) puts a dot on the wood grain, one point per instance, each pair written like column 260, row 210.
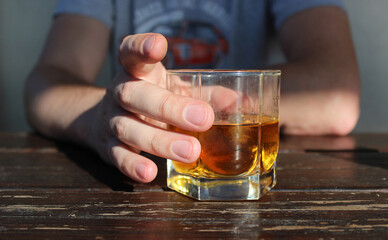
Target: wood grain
column 328, row 188
column 83, row 169
column 108, row 214
column 25, row 142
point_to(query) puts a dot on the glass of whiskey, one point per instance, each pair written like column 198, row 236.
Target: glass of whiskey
column 238, row 153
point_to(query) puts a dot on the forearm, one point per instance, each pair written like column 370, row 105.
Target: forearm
column 59, row 105
column 321, row 82
column 319, row 98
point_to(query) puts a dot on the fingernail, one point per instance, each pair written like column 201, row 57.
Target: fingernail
column 140, row 170
column 182, row 148
column 195, row 114
column 148, row 44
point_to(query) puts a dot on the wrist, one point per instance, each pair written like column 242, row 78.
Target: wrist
column 84, row 127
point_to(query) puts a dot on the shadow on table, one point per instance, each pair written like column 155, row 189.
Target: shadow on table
column 319, row 144
column 350, row 143
column 361, row 149
column 109, row 175
column 90, row 162
column 368, row 158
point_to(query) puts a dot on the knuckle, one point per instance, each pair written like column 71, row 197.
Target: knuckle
column 125, row 163
column 133, row 43
column 130, row 42
column 112, row 153
column 167, row 101
column 125, row 42
column 109, row 156
column 119, row 128
column 155, row 143
column 127, row 92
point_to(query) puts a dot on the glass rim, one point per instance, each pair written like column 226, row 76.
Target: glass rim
column 224, row 71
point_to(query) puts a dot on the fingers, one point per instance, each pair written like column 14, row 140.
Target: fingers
column 221, row 98
column 138, row 134
column 160, row 104
column 133, row 165
column 228, row 100
column 141, row 53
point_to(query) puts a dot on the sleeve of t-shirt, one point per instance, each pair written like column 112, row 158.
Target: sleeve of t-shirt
column 283, row 9
column 101, row 10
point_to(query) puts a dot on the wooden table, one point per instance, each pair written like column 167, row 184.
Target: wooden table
column 328, row 188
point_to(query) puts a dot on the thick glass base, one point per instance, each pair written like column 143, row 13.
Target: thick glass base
column 225, row 189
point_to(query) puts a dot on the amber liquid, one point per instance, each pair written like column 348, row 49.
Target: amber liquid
column 233, row 149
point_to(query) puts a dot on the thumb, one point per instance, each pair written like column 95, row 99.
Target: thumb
column 140, row 53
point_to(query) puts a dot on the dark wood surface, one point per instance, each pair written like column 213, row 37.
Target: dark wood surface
column 328, row 188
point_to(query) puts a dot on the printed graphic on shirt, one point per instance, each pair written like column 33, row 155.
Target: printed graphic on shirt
column 197, row 31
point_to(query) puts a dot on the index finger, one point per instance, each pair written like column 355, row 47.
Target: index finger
column 140, row 53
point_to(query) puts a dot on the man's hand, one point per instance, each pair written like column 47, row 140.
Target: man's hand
column 62, row 101
column 131, row 116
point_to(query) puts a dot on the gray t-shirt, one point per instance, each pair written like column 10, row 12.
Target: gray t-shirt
column 201, row 33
